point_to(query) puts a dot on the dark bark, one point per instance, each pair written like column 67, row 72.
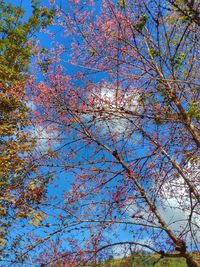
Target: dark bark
column 191, row 262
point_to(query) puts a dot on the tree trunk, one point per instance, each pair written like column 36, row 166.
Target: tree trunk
column 191, row 262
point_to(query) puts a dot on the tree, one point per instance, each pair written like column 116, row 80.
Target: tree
column 127, row 135
column 188, row 10
column 17, row 195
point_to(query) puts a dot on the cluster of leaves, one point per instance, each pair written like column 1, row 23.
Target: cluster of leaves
column 17, row 39
column 187, row 10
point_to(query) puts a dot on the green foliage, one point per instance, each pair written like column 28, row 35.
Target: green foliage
column 152, row 52
column 37, row 218
column 141, row 23
column 122, row 4
column 158, row 121
column 93, row 52
column 145, row 260
column 187, row 10
column 16, row 41
column 178, row 61
column 193, row 110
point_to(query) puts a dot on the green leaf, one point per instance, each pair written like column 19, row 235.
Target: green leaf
column 158, row 121
column 152, row 52
column 93, row 52
column 2, row 241
column 193, row 110
column 141, row 23
column 178, row 61
column 122, row 4
column 37, row 218
column 2, row 211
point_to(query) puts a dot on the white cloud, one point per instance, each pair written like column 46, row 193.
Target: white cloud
column 121, row 251
column 125, row 250
column 31, row 105
column 175, row 205
column 46, row 136
column 178, row 208
column 108, row 104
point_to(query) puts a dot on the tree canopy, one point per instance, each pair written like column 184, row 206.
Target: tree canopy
column 17, row 40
